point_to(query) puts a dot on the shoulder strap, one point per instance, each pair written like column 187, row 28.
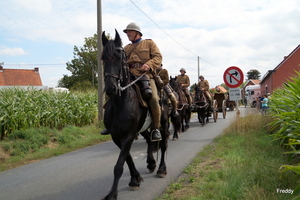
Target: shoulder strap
column 133, row 46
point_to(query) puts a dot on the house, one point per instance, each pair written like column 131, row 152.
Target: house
column 275, row 78
column 20, row 77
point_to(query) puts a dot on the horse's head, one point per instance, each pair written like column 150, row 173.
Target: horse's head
column 199, row 94
column 174, row 83
column 114, row 59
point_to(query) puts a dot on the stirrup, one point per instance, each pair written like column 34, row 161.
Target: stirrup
column 175, row 113
column 104, row 132
column 155, row 135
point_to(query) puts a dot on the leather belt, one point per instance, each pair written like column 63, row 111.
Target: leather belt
column 135, row 65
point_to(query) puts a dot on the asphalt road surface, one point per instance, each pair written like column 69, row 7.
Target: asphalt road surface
column 87, row 174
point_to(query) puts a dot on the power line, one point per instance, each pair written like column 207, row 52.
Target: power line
column 170, row 35
column 163, row 29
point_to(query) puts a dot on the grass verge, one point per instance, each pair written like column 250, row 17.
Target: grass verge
column 243, row 163
column 31, row 145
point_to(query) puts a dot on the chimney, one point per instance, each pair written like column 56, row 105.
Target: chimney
column 1, row 68
column 36, row 70
column 284, row 57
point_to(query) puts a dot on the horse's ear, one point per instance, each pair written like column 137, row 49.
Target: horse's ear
column 104, row 39
column 118, row 40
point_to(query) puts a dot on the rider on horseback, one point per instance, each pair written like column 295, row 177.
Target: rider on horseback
column 144, row 57
column 164, row 75
column 184, row 81
column 204, row 85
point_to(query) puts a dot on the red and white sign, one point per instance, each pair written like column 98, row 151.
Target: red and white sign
column 233, row 77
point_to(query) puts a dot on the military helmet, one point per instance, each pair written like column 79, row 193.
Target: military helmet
column 133, row 27
column 201, row 76
column 182, row 69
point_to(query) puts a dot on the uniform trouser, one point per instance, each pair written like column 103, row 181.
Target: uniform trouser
column 154, row 105
column 208, row 96
column 171, row 97
column 188, row 96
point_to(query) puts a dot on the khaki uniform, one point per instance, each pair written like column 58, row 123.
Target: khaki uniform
column 164, row 75
column 146, row 52
column 204, row 84
column 185, row 81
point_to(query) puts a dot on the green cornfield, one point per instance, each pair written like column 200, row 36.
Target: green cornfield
column 23, row 109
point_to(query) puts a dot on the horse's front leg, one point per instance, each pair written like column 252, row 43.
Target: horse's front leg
column 207, row 115
column 136, row 178
column 162, row 170
column 124, row 155
column 187, row 118
column 151, row 163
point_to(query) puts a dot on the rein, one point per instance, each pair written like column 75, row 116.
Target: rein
column 130, row 84
column 119, row 77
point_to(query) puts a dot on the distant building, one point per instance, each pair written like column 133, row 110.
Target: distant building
column 275, row 78
column 20, row 78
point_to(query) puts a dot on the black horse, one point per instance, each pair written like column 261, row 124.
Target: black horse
column 176, row 120
column 124, row 116
column 202, row 105
column 183, row 106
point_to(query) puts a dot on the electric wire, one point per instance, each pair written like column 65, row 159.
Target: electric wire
column 170, row 35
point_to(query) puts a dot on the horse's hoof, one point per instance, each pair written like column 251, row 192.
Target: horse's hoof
column 161, row 174
column 175, row 139
column 135, row 188
column 151, row 167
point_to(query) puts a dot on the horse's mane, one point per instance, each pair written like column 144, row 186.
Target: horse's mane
column 109, row 49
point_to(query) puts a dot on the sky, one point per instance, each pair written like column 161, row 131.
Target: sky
column 202, row 36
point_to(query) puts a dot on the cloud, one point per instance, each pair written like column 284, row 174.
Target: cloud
column 17, row 51
column 250, row 34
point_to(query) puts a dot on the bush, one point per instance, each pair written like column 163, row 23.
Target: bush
column 285, row 110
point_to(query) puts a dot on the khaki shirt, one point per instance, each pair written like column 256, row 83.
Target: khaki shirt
column 164, row 75
column 185, row 80
column 204, row 84
column 145, row 52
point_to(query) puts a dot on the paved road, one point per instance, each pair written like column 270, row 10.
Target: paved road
column 87, row 174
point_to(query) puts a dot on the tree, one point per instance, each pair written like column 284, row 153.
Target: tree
column 83, row 67
column 253, row 74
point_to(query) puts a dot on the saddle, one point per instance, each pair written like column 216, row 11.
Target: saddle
column 139, row 96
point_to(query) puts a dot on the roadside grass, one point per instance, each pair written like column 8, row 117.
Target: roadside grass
column 31, row 145
column 242, row 163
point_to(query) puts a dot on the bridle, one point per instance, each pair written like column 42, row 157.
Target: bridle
column 199, row 97
column 123, row 71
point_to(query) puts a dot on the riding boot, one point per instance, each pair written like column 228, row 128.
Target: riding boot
column 209, row 99
column 104, row 132
column 174, row 104
column 156, row 112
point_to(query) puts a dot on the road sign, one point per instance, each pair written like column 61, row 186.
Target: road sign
column 233, row 77
column 234, row 94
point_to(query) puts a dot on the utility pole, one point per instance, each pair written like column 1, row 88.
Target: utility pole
column 198, row 68
column 99, row 61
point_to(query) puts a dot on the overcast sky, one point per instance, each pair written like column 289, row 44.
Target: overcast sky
column 249, row 34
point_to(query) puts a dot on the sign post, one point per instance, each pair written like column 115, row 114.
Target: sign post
column 233, row 78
